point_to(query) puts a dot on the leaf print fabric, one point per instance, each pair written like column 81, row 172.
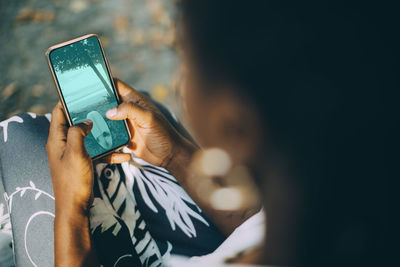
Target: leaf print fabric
column 146, row 204
column 139, row 217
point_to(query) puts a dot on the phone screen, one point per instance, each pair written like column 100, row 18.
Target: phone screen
column 87, row 90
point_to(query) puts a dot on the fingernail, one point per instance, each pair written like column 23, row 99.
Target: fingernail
column 88, row 122
column 111, row 112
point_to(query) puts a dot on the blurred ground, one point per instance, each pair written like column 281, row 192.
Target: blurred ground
column 137, row 35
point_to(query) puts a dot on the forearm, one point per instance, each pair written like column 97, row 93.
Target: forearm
column 179, row 167
column 73, row 246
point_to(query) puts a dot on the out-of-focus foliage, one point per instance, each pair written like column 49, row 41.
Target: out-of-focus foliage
column 138, row 38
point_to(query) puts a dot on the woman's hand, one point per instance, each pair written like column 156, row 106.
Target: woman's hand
column 156, row 141
column 153, row 139
column 71, row 167
column 71, row 171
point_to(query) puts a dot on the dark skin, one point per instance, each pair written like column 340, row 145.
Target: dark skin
column 153, row 139
column 66, row 152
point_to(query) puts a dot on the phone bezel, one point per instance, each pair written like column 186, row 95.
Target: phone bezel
column 54, row 47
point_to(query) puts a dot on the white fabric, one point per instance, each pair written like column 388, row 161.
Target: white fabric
column 179, row 261
column 248, row 235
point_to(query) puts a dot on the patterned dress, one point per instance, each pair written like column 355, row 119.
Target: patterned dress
column 139, row 217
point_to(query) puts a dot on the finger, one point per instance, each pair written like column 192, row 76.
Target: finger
column 58, row 130
column 76, row 136
column 116, row 158
column 129, row 110
column 126, row 92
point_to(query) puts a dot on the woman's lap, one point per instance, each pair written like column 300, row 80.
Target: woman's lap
column 140, row 213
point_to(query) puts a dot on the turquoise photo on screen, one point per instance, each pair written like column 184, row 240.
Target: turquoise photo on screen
column 86, row 87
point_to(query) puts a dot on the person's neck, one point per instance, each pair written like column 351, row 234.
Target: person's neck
column 282, row 200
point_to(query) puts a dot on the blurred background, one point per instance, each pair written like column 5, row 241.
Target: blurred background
column 138, row 37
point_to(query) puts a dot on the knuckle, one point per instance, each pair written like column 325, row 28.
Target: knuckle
column 151, row 116
column 60, row 128
column 56, row 108
column 75, row 130
column 129, row 106
column 129, row 103
column 140, row 101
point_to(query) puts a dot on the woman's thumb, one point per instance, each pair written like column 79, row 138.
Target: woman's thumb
column 126, row 110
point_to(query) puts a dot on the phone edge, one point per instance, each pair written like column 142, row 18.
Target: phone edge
column 56, row 46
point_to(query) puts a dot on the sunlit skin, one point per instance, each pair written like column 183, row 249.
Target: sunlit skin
column 301, row 95
column 153, row 139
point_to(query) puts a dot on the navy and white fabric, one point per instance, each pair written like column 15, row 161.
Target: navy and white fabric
column 139, row 217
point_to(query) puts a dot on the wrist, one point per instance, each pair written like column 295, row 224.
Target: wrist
column 181, row 157
column 71, row 209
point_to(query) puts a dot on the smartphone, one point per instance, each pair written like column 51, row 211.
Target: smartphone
column 86, row 89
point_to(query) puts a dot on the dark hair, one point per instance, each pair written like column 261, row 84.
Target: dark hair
column 324, row 76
